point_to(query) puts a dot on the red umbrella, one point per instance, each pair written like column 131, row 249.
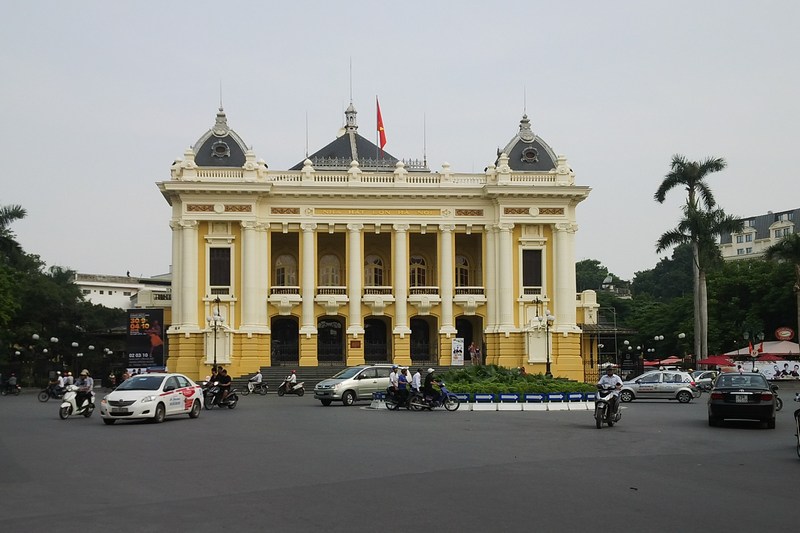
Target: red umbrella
column 715, row 360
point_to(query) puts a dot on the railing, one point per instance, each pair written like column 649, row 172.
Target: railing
column 378, row 290
column 220, row 291
column 413, row 291
column 219, row 173
column 330, row 290
column 463, row 291
column 531, row 291
column 286, row 289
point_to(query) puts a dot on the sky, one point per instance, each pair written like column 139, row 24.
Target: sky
column 99, row 98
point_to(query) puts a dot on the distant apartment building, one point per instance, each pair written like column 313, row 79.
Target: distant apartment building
column 125, row 292
column 759, row 233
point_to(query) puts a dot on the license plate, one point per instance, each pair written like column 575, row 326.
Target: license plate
column 741, row 398
column 119, row 410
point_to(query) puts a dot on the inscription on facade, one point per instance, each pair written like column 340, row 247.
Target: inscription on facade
column 377, row 212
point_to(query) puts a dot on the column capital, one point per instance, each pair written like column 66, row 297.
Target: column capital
column 308, row 227
column 447, row 228
column 355, row 228
column 566, row 226
column 400, row 228
column 188, row 224
column 505, row 226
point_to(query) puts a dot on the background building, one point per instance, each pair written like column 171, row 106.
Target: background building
column 759, row 233
column 124, row 292
column 354, row 255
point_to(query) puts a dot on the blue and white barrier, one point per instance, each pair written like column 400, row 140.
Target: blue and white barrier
column 378, row 400
column 575, row 401
column 557, row 402
column 509, row 402
column 483, row 402
column 534, row 401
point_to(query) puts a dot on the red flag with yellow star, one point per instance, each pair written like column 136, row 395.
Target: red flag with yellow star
column 381, row 131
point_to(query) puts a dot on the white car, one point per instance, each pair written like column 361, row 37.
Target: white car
column 154, row 397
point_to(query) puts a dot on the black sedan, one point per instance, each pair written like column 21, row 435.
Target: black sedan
column 744, row 396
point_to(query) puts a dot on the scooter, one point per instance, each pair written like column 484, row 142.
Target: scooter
column 419, row 401
column 287, row 388
column 51, row 391
column 603, row 407
column 213, row 396
column 258, row 388
column 10, row 389
column 394, row 400
column 69, row 407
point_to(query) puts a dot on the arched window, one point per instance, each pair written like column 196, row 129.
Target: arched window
column 462, row 271
column 329, row 271
column 373, row 271
column 418, row 271
column 285, row 271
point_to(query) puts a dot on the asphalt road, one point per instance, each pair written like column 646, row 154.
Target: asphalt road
column 290, row 464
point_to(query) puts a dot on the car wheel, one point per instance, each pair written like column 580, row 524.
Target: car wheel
column 109, row 421
column 326, row 403
column 770, row 423
column 713, row 421
column 626, row 396
column 160, row 415
column 43, row 396
column 195, row 412
column 684, row 396
column 349, row 398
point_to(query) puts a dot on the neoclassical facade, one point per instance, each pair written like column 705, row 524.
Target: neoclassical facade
column 354, row 256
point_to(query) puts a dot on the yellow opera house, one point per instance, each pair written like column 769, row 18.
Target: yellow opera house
column 355, row 256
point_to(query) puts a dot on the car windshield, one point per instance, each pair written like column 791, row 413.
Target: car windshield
column 742, row 382
column 348, row 372
column 141, row 383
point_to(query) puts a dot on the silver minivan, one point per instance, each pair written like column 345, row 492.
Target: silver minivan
column 665, row 384
column 353, row 384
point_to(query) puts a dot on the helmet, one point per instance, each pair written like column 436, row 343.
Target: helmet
column 84, row 372
column 394, row 366
column 293, row 371
column 430, row 370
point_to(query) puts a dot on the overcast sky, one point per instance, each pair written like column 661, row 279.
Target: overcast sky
column 100, row 97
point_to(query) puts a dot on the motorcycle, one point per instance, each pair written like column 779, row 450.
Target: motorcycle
column 603, row 407
column 297, row 388
column 213, row 396
column 778, row 401
column 395, row 401
column 51, row 391
column 11, row 389
column 797, row 423
column 419, row 401
column 258, row 388
column 69, row 406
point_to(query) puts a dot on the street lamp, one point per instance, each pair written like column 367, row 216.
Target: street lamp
column 215, row 321
column 546, row 321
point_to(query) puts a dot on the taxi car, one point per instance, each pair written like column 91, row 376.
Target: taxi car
column 664, row 384
column 153, row 397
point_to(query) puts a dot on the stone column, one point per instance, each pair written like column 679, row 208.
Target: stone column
column 354, row 277
column 175, row 270
column 446, row 278
column 250, row 294
column 308, row 285
column 490, row 280
column 505, row 278
column 565, row 283
column 401, row 279
column 188, row 276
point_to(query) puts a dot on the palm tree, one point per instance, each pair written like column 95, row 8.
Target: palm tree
column 8, row 244
column 691, row 175
column 788, row 249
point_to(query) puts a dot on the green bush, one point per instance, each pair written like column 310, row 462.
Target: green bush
column 493, row 379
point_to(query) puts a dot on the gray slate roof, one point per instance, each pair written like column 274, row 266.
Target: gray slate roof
column 527, row 151
column 761, row 224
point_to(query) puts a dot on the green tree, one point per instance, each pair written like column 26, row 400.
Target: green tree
column 589, row 274
column 699, row 228
column 788, row 250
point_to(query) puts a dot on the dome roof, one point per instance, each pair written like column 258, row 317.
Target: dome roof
column 527, row 151
column 220, row 146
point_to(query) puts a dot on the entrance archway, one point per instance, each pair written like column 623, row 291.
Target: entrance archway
column 376, row 345
column 284, row 346
column 424, row 344
column 471, row 330
column 330, row 340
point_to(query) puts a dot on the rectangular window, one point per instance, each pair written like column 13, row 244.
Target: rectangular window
column 101, row 292
column 748, row 237
column 86, row 291
column 219, row 267
column 777, row 233
column 739, row 251
column 532, row 268
column 126, row 293
column 739, row 239
column 748, row 250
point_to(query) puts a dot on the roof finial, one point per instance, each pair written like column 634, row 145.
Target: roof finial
column 524, row 100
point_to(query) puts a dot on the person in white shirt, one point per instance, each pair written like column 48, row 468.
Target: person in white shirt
column 416, row 380
column 255, row 379
column 393, row 380
column 611, row 381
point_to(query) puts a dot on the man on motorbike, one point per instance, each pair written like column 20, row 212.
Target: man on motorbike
column 393, row 381
column 416, row 380
column 255, row 379
column 427, row 387
column 610, row 380
column 85, row 385
column 402, row 385
column 291, row 381
column 224, row 384
column 11, row 384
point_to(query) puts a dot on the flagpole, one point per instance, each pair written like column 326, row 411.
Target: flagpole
column 377, row 132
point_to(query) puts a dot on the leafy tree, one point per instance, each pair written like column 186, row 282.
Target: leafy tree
column 589, row 274
column 699, row 228
column 788, row 250
column 671, row 277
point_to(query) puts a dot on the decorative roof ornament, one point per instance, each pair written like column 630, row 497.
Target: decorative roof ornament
column 221, row 128
column 350, row 115
column 525, row 132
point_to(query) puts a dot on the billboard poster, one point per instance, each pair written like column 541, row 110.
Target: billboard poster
column 773, row 370
column 145, row 338
column 457, row 352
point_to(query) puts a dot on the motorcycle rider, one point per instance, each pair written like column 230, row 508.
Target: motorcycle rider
column 290, row 381
column 416, row 380
column 393, row 381
column 11, row 384
column 254, row 380
column 402, row 385
column 610, row 380
column 85, row 385
column 68, row 379
column 224, row 384
column 427, row 387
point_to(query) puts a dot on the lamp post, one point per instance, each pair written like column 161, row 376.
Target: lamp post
column 600, row 352
column 75, row 360
column 215, row 322
column 549, row 319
